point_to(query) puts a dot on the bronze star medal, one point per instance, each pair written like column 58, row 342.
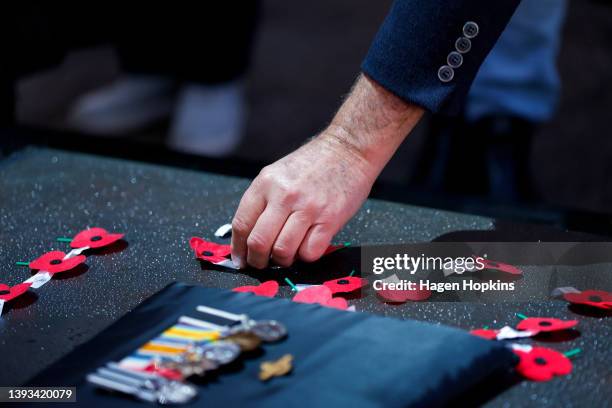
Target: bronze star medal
column 280, row 367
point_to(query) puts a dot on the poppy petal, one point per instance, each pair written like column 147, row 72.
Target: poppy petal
column 94, row 238
column 315, row 294
column 221, row 249
column 195, row 243
column 13, row 291
column 485, row 333
column 104, row 241
column 54, row 262
column 111, row 238
column 401, row 296
column 500, row 266
column 337, row 303
column 68, row 264
column 346, row 284
column 595, row 298
column 544, row 324
column 209, row 250
column 267, row 289
column 211, row 258
column 43, row 261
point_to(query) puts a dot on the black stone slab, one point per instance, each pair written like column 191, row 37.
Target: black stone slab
column 49, row 193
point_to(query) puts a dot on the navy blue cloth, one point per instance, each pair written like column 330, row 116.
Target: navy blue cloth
column 415, row 40
column 341, row 359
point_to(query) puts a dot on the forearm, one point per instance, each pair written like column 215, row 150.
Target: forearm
column 372, row 123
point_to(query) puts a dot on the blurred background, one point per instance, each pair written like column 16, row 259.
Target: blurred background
column 238, row 87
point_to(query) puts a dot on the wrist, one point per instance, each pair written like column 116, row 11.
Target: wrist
column 372, row 123
column 341, row 144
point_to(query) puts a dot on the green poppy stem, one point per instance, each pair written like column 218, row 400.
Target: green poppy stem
column 521, row 316
column 485, row 327
column 291, row 284
column 352, row 272
column 20, row 263
column 572, row 353
column 64, row 239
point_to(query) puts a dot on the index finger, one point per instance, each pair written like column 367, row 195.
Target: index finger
column 250, row 208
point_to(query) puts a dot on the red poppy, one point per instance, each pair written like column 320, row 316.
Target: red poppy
column 545, row 324
column 11, row 292
column 596, row 298
column 485, row 333
column 209, row 251
column 268, row 289
column 346, row 284
column 94, row 238
column 542, row 364
column 54, row 262
column 489, row 264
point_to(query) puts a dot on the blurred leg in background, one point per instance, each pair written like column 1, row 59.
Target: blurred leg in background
column 515, row 91
column 181, row 62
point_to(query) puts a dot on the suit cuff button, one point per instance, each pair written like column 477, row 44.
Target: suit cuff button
column 446, row 73
column 463, row 45
column 470, row 29
column 454, row 59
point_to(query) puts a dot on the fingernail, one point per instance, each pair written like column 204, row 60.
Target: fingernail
column 237, row 261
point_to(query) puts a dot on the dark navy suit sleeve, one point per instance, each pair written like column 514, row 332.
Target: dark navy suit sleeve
column 428, row 52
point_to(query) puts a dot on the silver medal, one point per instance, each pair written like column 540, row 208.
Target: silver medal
column 145, row 386
column 220, row 352
column 268, row 330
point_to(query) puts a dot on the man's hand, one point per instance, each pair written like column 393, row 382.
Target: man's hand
column 296, row 205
